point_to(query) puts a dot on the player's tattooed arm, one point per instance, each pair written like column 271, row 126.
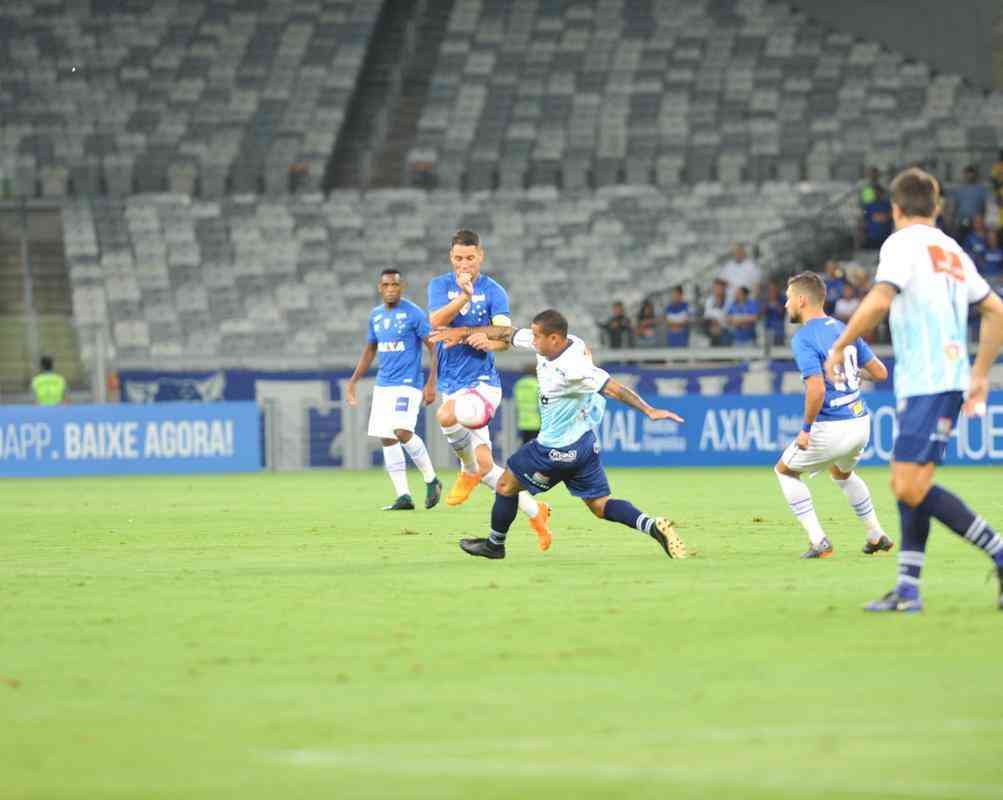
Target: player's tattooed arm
column 486, row 337
column 365, row 361
column 617, row 391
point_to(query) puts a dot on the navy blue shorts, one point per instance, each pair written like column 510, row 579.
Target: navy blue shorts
column 577, row 466
column 925, row 424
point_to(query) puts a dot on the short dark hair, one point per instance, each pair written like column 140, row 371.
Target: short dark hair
column 678, row 288
column 465, row 238
column 916, row 193
column 390, row 271
column 810, row 284
column 551, row 321
column 46, row 362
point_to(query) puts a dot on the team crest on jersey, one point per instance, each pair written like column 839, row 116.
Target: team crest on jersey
column 952, row 350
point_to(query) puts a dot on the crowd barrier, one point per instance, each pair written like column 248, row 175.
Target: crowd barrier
column 39, row 441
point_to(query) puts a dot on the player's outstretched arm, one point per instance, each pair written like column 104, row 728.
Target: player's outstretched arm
column 485, row 337
column 869, row 313
column 365, row 361
column 617, row 391
column 990, row 342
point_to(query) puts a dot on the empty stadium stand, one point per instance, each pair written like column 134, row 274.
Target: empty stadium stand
column 639, row 91
column 192, row 97
column 167, row 277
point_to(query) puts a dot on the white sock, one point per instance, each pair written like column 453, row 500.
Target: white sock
column 415, row 448
column 393, row 460
column 527, row 505
column 859, row 495
column 799, row 499
column 462, row 442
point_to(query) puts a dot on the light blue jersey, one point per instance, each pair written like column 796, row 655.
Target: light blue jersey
column 811, row 346
column 398, row 334
column 463, row 366
column 936, row 283
column 570, row 403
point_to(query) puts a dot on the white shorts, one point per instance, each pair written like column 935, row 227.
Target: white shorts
column 493, row 394
column 394, row 408
column 838, row 442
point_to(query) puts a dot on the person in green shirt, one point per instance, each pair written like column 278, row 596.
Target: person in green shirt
column 49, row 386
column 527, row 405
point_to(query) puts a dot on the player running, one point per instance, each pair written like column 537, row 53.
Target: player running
column 396, row 329
column 572, row 392
column 928, row 282
column 464, row 298
column 837, row 425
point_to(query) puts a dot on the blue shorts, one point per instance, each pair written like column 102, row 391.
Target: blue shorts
column 577, row 466
column 925, row 424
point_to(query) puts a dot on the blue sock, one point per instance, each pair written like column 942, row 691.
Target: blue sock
column 915, row 526
column 503, row 513
column 951, row 510
column 624, row 512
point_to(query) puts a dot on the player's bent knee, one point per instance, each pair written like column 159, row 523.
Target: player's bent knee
column 403, row 435
column 782, row 469
column 508, row 484
column 444, row 414
column 597, row 505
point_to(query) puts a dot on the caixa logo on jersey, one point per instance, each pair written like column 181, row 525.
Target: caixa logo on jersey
column 563, row 456
column 390, row 347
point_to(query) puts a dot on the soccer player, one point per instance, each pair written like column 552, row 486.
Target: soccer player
column 464, row 298
column 928, row 283
column 572, row 392
column 837, row 425
column 396, row 329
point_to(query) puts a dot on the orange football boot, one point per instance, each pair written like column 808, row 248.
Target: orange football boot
column 539, row 526
column 460, row 491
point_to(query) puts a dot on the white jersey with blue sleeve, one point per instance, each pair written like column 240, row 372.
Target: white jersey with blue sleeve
column 570, row 403
column 936, row 283
column 398, row 334
column 811, row 346
column 463, row 366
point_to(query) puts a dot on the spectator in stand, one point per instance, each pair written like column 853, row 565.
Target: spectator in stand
column 740, row 271
column 969, row 200
column 876, row 225
column 872, row 185
column 834, row 280
column 774, row 313
column 996, row 176
column 715, row 314
column 677, row 316
column 992, row 269
column 646, row 331
column 975, row 242
column 847, row 303
column 743, row 315
column 617, row 330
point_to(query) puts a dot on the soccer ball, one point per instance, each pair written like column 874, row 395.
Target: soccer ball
column 472, row 410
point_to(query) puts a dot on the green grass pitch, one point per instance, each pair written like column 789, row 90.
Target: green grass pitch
column 278, row 636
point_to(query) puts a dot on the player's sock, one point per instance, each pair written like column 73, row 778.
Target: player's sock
column 502, row 515
column 859, row 495
column 415, row 447
column 915, row 524
column 527, row 505
column 462, row 442
column 800, row 502
column 951, row 510
column 626, row 513
column 393, row 460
